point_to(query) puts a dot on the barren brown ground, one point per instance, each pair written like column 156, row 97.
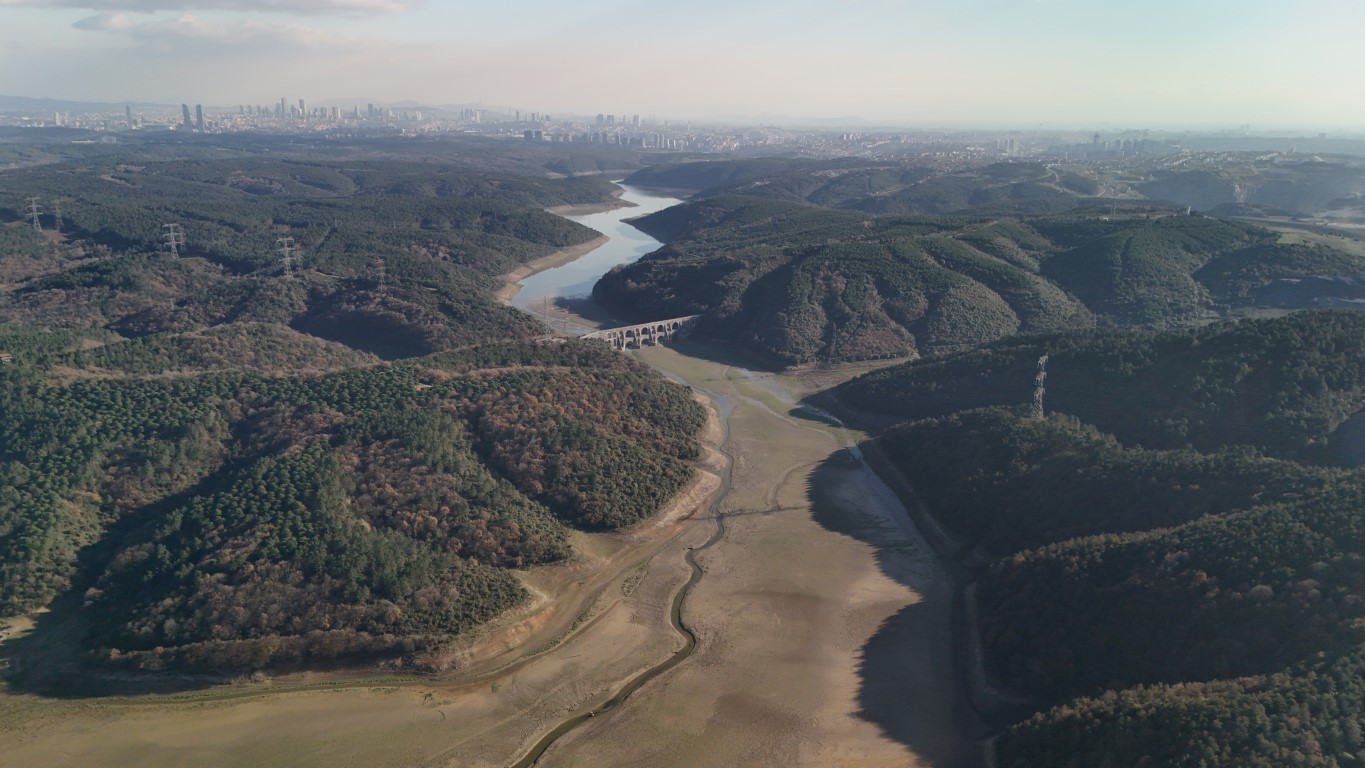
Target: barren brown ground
column 824, row 621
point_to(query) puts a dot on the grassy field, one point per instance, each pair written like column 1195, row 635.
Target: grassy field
column 1292, row 236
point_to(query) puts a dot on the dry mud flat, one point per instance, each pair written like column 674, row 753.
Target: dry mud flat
column 823, row 619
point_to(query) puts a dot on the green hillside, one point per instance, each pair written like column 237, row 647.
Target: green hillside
column 801, row 284
column 1007, row 483
column 442, row 234
column 204, row 464
column 881, row 187
column 1160, row 603
column 241, row 520
column 1283, row 385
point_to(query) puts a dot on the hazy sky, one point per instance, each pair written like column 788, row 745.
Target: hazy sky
column 1139, row 63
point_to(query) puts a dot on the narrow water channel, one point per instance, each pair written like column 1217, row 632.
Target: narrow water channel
column 626, row 244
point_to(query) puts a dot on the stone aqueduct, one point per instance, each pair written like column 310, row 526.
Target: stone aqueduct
column 635, row 336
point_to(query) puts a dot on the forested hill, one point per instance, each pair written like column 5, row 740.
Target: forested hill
column 883, row 187
column 801, row 284
column 204, row 463
column 1178, row 608
column 1168, row 564
column 1287, row 386
column 234, row 520
column 436, row 237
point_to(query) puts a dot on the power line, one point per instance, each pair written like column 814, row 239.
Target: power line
column 1038, row 389
column 174, row 237
column 33, row 212
column 286, row 250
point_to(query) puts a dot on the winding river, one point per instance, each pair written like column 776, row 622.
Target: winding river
column 626, row 244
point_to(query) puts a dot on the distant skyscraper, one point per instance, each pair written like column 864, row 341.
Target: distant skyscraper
column 128, row 113
column 185, row 114
column 303, row 112
column 199, row 116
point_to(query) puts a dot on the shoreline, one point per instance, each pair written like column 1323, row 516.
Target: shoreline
column 512, row 280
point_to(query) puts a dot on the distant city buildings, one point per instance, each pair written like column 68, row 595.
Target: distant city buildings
column 939, row 148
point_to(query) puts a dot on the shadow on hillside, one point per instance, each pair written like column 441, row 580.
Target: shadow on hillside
column 53, row 659
column 912, row 668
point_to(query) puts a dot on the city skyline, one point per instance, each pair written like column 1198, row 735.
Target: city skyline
column 892, row 62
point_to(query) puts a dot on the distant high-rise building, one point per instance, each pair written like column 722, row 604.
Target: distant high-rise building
column 185, row 115
column 303, row 112
column 199, row 116
column 284, row 106
column 128, row 113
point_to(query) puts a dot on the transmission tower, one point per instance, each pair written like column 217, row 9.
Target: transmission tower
column 174, row 237
column 33, row 212
column 286, row 250
column 57, row 214
column 1038, row 389
column 379, row 265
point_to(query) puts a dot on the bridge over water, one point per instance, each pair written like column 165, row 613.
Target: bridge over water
column 644, row 334
column 621, row 337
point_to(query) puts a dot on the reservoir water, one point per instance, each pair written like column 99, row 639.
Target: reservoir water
column 626, row 244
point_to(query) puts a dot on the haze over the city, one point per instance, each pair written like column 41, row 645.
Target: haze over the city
column 1022, row 62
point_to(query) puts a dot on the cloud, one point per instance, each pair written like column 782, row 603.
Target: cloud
column 303, row 7
column 170, row 34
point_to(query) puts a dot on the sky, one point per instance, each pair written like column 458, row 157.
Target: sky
column 1143, row 63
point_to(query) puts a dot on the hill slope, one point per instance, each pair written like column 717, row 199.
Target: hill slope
column 1162, row 604
column 804, row 284
column 239, row 520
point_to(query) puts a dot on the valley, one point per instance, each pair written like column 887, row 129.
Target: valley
column 366, row 508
